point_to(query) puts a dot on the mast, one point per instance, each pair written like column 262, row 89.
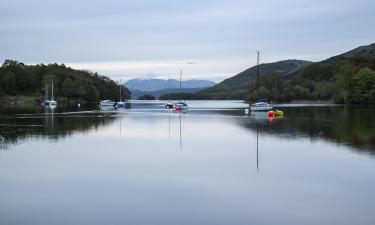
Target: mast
column 258, row 72
column 120, row 89
column 169, row 88
column 52, row 91
column 180, row 84
column 46, row 93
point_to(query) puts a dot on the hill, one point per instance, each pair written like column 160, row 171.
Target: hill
column 237, row 86
column 346, row 78
column 366, row 51
column 18, row 79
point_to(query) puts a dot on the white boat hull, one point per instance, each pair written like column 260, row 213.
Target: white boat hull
column 260, row 108
column 107, row 103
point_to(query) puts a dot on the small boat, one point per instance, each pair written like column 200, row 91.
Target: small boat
column 261, row 106
column 277, row 113
column 169, row 105
column 181, row 106
column 107, row 103
column 50, row 103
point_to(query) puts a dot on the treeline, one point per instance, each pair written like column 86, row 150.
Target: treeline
column 344, row 80
column 177, row 96
column 17, row 78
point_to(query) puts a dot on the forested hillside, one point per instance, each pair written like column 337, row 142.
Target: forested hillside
column 17, row 78
column 237, row 86
column 347, row 78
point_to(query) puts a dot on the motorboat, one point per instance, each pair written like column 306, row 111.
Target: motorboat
column 169, row 105
column 181, row 106
column 50, row 103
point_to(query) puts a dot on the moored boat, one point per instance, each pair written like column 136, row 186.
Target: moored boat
column 261, row 106
column 107, row 103
column 51, row 103
column 169, row 105
column 181, row 106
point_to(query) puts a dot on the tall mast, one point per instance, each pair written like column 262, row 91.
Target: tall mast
column 46, row 93
column 169, row 88
column 52, row 92
column 258, row 72
column 120, row 89
column 180, row 84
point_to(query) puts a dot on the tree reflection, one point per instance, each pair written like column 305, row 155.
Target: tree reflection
column 352, row 126
column 49, row 124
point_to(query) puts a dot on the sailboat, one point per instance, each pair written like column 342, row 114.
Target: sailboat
column 260, row 104
column 181, row 106
column 169, row 105
column 49, row 102
column 120, row 104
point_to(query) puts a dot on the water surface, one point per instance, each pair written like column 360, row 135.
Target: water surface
column 214, row 164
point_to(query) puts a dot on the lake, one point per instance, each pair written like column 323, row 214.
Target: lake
column 213, row 164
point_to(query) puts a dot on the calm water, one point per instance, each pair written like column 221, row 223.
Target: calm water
column 211, row 165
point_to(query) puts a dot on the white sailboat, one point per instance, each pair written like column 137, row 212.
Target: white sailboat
column 260, row 105
column 120, row 104
column 169, row 105
column 181, row 106
column 49, row 102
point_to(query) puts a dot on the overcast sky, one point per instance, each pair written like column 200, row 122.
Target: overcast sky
column 207, row 39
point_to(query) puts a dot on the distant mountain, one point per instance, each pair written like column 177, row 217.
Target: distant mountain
column 237, row 86
column 159, row 84
column 135, row 93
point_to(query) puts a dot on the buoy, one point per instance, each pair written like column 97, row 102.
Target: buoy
column 271, row 114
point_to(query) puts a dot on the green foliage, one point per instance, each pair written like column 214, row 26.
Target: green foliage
column 363, row 87
column 349, row 81
column 19, row 79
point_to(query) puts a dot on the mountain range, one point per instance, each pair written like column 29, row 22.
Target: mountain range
column 157, row 87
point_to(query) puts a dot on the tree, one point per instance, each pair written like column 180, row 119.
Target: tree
column 8, row 82
column 364, row 83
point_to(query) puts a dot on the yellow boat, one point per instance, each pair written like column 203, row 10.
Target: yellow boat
column 279, row 113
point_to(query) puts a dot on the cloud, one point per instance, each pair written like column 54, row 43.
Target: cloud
column 133, row 38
